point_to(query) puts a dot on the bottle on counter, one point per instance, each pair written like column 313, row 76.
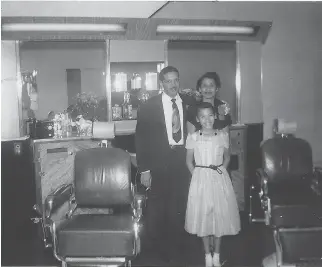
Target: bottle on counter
column 136, row 82
column 116, row 112
column 127, row 107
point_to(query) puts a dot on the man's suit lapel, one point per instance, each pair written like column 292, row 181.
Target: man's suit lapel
column 184, row 108
column 159, row 109
column 160, row 116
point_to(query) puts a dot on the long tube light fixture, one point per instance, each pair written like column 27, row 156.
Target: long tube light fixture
column 204, row 29
column 62, row 27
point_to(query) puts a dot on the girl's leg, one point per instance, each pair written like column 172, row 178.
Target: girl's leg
column 206, row 245
column 216, row 257
column 216, row 242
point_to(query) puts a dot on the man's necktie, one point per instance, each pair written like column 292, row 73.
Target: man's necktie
column 176, row 124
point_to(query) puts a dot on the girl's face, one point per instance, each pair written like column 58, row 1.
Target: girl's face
column 206, row 118
column 208, row 88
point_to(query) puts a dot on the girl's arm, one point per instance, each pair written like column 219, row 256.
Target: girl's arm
column 226, row 158
column 190, row 127
column 189, row 160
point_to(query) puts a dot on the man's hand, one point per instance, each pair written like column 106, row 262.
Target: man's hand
column 146, row 179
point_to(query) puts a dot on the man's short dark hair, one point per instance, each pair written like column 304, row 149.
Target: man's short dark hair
column 166, row 70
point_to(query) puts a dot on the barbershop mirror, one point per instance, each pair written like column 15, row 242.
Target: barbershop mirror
column 195, row 58
column 66, row 71
column 134, row 68
column 192, row 58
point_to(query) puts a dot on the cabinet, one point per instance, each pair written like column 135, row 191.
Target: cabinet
column 18, row 192
column 54, row 163
column 238, row 168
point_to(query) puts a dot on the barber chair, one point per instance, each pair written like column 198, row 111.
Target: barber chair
column 289, row 191
column 97, row 220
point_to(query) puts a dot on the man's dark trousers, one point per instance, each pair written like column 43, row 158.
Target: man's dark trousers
column 167, row 201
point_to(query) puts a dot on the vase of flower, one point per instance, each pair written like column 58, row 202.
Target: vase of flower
column 86, row 104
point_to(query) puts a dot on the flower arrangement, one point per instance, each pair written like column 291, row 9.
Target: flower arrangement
column 192, row 93
column 86, row 105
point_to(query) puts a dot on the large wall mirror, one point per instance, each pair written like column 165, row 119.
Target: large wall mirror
column 68, row 69
column 75, row 63
column 65, row 70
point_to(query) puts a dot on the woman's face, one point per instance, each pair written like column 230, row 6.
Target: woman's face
column 208, row 88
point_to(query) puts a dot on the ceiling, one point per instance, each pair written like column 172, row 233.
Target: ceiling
column 122, row 9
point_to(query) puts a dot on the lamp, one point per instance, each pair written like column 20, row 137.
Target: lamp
column 62, row 27
column 204, row 29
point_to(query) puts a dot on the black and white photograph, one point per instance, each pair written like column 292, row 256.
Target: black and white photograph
column 161, row 133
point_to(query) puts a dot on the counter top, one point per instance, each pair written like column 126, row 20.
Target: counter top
column 63, row 139
column 126, row 127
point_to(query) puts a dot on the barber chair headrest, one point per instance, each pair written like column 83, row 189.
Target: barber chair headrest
column 103, row 177
column 286, row 158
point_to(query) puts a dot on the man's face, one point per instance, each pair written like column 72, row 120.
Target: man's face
column 170, row 84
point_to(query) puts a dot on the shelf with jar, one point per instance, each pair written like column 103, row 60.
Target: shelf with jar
column 132, row 83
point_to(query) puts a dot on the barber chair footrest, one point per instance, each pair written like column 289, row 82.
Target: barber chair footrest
column 301, row 244
column 296, row 216
column 89, row 235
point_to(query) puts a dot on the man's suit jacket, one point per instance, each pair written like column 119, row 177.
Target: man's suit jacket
column 151, row 139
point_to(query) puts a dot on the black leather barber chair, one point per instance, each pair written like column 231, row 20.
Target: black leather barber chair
column 289, row 191
column 96, row 221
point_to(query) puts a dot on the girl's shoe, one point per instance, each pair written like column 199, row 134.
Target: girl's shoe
column 216, row 260
column 208, row 259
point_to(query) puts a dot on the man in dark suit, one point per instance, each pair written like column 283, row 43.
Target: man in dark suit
column 161, row 156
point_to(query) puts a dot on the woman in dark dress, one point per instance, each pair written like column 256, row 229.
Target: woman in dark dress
column 208, row 85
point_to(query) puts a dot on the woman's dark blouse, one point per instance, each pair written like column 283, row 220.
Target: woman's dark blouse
column 219, row 124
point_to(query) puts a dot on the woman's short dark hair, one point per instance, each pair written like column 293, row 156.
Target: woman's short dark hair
column 203, row 105
column 166, row 70
column 209, row 75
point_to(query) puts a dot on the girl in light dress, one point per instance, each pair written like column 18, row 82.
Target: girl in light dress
column 212, row 210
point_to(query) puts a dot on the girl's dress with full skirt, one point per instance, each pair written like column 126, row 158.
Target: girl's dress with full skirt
column 212, row 207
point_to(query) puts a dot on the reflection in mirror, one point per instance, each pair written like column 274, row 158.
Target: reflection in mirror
column 134, row 68
column 70, row 77
column 195, row 58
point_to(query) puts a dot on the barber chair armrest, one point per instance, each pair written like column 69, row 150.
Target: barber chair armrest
column 57, row 198
column 262, row 181
column 139, row 201
column 317, row 181
column 263, row 194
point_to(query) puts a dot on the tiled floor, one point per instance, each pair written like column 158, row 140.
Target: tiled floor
column 246, row 249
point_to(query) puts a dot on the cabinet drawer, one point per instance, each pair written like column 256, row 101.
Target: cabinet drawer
column 237, row 140
column 55, row 164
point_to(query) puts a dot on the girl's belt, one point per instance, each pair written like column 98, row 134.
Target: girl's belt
column 213, row 167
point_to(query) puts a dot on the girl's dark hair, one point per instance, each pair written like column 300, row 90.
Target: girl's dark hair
column 203, row 105
column 209, row 75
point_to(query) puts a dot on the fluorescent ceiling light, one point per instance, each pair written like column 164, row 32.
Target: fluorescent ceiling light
column 204, row 29
column 62, row 27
